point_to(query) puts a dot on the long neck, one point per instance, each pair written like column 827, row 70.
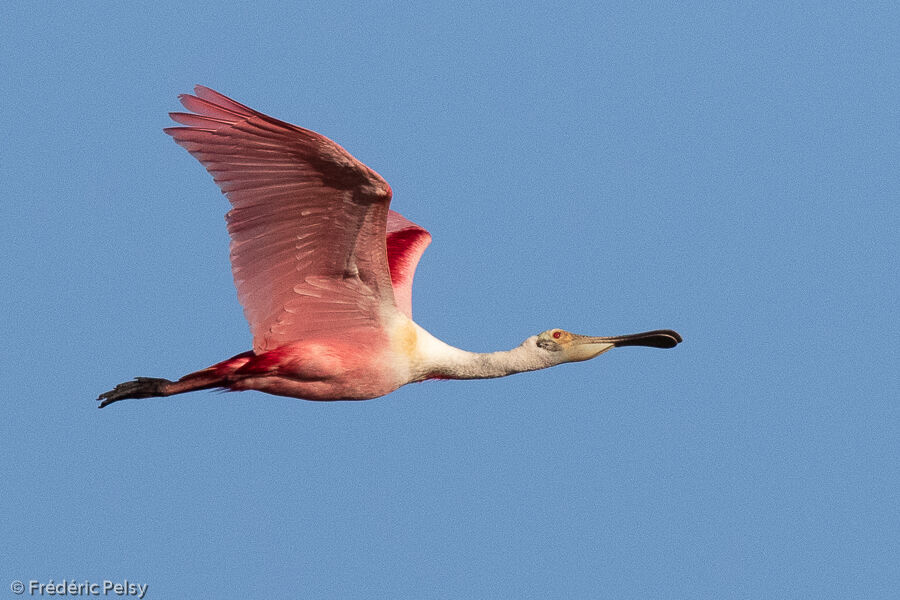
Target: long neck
column 474, row 365
column 442, row 361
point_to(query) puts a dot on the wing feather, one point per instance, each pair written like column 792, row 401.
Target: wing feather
column 308, row 225
column 406, row 242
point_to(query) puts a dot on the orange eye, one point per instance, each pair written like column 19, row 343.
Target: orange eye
column 556, row 335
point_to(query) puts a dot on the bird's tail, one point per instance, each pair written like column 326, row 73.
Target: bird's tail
column 215, row 376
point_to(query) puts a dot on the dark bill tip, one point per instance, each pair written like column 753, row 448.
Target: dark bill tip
column 659, row 338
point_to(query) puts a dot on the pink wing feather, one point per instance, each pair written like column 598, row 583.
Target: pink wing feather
column 310, row 226
column 406, row 242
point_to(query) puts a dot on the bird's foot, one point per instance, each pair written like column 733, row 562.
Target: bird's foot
column 140, row 387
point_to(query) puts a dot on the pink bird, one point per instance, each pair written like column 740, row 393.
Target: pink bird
column 324, row 272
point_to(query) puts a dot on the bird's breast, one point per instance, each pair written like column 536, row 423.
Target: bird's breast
column 404, row 339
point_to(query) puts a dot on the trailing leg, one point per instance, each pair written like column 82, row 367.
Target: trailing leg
column 218, row 375
column 151, row 387
column 140, row 387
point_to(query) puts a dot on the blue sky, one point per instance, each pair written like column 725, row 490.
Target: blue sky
column 731, row 173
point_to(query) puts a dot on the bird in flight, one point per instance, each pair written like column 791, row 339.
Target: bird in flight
column 324, row 271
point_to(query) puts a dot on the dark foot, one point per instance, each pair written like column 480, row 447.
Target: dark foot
column 141, row 387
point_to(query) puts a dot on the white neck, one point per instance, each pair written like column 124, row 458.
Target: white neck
column 443, row 361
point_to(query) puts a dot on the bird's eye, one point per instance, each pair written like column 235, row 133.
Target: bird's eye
column 556, row 335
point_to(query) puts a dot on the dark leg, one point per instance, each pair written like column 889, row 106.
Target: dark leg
column 151, row 387
column 218, row 375
column 141, row 387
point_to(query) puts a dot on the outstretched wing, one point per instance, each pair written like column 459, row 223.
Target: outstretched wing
column 406, row 242
column 308, row 222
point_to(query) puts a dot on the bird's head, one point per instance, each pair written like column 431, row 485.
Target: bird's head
column 560, row 346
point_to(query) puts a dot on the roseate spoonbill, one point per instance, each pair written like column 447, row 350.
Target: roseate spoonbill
column 324, row 272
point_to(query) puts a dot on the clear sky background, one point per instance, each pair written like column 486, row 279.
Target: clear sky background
column 731, row 173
